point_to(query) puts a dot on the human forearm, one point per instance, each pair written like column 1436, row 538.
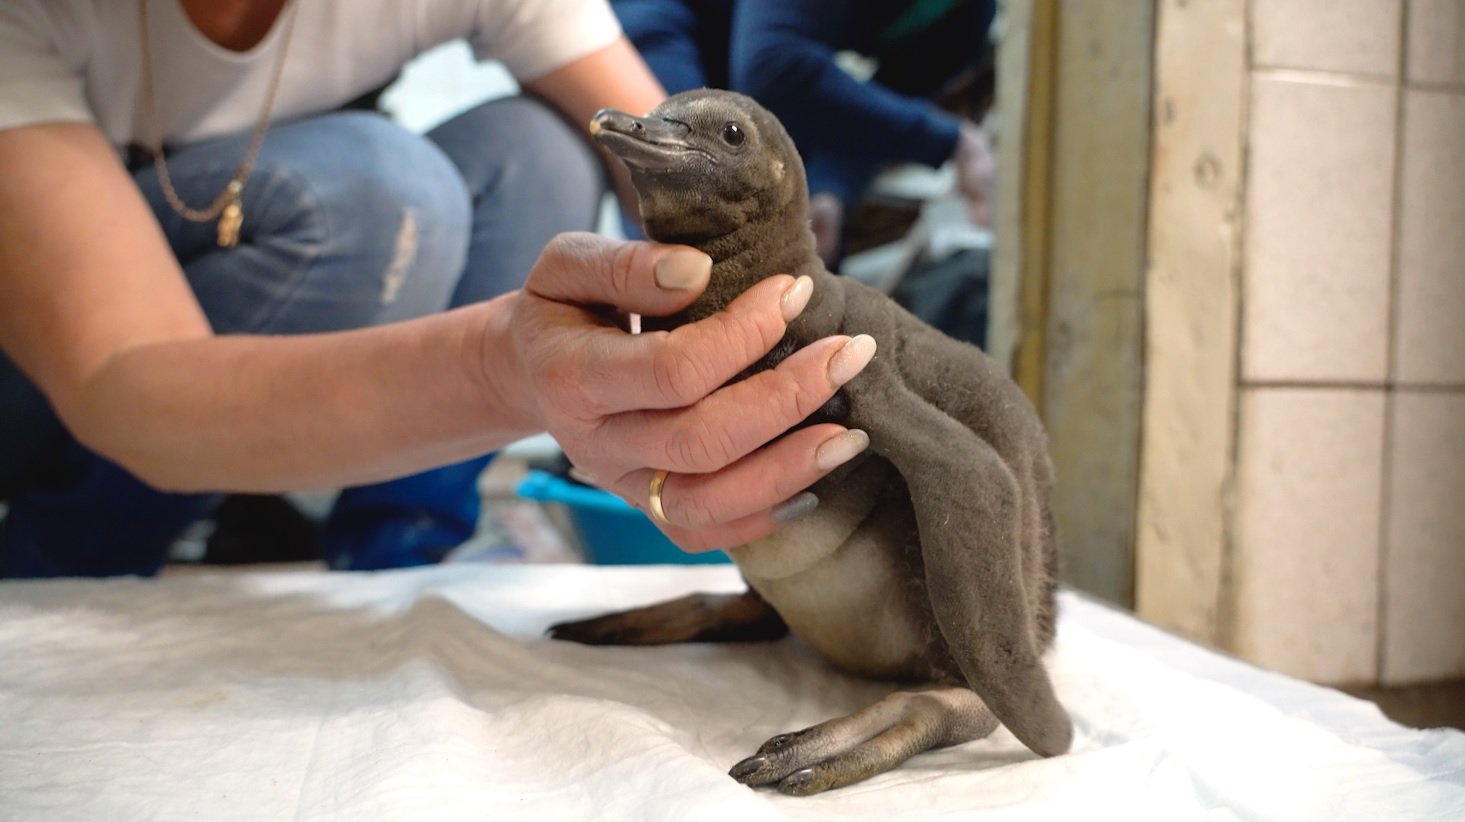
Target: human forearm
column 273, row 413
column 98, row 314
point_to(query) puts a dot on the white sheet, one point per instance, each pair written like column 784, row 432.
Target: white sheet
column 430, row 694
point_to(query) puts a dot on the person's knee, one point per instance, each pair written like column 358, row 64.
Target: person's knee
column 553, row 157
column 400, row 206
column 531, row 177
column 378, row 217
column 517, row 147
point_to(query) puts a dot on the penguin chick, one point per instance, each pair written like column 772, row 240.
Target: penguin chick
column 931, row 557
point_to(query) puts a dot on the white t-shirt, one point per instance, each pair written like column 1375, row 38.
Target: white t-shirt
column 81, row 60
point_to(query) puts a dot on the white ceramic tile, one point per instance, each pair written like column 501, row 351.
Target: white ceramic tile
column 1424, row 597
column 1307, row 531
column 1436, row 51
column 1431, row 330
column 1318, row 216
column 1353, row 36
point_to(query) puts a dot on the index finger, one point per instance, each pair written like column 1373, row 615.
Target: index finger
column 636, row 277
column 612, row 371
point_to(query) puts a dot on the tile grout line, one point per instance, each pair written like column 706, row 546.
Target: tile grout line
column 1322, row 77
column 1227, row 634
column 1436, row 86
column 1386, row 469
column 1385, row 386
column 1325, row 77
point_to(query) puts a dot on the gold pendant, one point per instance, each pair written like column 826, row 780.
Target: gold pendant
column 229, row 223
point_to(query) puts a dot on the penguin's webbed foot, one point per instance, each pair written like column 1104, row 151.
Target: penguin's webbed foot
column 849, row 749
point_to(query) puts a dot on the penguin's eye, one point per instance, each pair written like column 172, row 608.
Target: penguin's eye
column 733, row 135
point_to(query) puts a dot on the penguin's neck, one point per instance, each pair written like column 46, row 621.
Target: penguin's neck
column 747, row 255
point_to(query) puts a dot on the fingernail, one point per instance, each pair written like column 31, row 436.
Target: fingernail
column 797, row 507
column 840, row 449
column 796, row 298
column 683, row 269
column 851, row 359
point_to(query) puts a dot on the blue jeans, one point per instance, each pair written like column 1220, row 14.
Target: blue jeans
column 349, row 221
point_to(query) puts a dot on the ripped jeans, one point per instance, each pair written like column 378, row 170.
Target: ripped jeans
column 349, row 221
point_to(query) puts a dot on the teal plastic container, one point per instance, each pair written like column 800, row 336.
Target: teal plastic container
column 612, row 532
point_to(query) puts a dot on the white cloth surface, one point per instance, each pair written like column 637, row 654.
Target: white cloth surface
column 432, row 694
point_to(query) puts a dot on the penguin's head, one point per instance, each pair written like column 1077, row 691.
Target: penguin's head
column 706, row 163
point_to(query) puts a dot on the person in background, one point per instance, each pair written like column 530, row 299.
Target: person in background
column 782, row 53
column 215, row 276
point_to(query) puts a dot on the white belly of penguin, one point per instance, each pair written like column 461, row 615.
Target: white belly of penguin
column 840, row 592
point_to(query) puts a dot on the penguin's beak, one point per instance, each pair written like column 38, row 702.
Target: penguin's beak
column 646, row 143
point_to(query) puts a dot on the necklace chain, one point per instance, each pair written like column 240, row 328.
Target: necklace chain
column 227, row 206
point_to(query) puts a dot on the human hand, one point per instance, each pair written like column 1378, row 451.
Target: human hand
column 976, row 172
column 622, row 406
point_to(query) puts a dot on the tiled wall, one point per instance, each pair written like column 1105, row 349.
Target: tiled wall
column 1349, row 554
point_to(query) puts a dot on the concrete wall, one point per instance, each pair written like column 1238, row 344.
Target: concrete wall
column 1326, row 537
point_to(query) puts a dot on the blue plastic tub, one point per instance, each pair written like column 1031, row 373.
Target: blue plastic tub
column 612, row 532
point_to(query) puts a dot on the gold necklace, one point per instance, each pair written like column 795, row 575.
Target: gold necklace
column 228, row 206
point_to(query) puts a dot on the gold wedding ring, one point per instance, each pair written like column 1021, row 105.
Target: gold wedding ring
column 657, row 512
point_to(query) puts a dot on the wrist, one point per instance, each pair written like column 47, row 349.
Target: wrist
column 492, row 364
